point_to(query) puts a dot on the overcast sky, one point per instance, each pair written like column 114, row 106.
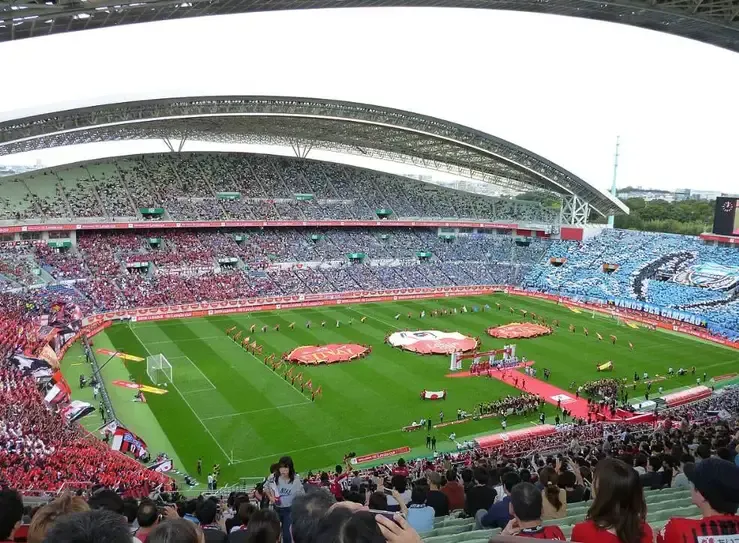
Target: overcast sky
column 561, row 87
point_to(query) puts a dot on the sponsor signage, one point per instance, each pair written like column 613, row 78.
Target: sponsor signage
column 148, row 225
column 380, row 455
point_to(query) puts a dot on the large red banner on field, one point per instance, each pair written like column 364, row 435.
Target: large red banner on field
column 327, row 354
column 432, row 342
column 496, row 440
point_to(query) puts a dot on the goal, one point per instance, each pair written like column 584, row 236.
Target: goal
column 158, row 369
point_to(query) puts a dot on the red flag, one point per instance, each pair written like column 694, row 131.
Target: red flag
column 300, row 377
column 309, row 384
column 319, row 390
column 290, row 371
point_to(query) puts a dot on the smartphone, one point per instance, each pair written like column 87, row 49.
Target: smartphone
column 387, row 514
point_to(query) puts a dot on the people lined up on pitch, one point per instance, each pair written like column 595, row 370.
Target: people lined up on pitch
column 606, row 389
column 511, row 405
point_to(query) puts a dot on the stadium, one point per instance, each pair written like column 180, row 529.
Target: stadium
column 179, row 327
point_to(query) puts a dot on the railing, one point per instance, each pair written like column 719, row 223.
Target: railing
column 107, row 404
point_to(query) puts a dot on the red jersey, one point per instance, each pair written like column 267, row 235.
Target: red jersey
column 718, row 529
column 588, row 532
column 543, row 532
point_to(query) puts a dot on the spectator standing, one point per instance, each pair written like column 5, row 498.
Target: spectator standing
column 285, row 486
column 436, row 498
column 572, row 483
column 525, row 507
column 618, row 512
column 715, row 490
column 453, row 490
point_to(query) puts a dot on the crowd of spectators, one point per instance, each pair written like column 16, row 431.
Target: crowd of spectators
column 599, row 471
column 187, row 187
column 659, row 273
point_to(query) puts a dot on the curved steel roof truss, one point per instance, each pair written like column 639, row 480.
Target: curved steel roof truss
column 711, row 21
column 345, row 127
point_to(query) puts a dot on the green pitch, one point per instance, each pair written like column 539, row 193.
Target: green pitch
column 227, row 405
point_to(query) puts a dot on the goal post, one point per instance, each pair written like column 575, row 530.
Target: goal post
column 158, row 369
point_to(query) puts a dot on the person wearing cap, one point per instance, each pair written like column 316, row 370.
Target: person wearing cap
column 715, row 490
column 436, row 498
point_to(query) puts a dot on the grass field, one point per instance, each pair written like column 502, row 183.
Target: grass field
column 227, row 405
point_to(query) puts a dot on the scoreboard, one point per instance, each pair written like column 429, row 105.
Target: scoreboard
column 726, row 218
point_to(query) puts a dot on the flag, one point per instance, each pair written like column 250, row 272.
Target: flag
column 423, row 313
column 599, row 336
column 464, row 309
column 363, row 319
column 76, row 410
column 238, row 336
column 309, row 384
column 631, row 345
column 290, row 371
column 229, row 330
column 59, row 391
column 397, row 316
column 291, row 325
column 613, row 337
column 253, row 344
column 300, row 377
column 319, row 390
column 37, row 368
column 109, row 428
column 162, row 466
column 245, row 341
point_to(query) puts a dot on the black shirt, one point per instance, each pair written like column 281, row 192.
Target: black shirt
column 213, row 533
column 479, row 497
column 438, row 500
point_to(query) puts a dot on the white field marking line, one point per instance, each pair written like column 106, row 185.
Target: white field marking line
column 196, row 367
column 315, row 447
column 276, row 407
column 225, row 454
column 198, row 390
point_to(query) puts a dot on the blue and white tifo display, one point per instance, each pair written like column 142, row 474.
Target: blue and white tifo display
column 709, row 275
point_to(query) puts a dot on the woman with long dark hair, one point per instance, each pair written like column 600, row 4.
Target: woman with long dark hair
column 618, row 512
column 554, row 498
column 285, row 484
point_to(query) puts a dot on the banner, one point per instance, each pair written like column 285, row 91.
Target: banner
column 151, row 225
column 136, row 386
column 126, row 441
column 497, row 440
column 162, row 466
column 709, row 275
column 327, row 354
column 58, row 390
column 432, row 342
column 75, row 410
column 37, row 368
column 433, row 395
column 120, row 355
column 686, row 396
column 380, row 455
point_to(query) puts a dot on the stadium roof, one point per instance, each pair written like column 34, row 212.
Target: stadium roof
column 304, row 124
column 711, row 21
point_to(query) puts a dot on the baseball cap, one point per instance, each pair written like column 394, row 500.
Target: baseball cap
column 718, row 482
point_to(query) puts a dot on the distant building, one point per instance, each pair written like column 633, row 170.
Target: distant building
column 646, row 194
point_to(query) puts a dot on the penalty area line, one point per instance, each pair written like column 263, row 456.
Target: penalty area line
column 273, row 408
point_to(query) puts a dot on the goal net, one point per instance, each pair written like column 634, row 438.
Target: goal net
column 158, row 369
